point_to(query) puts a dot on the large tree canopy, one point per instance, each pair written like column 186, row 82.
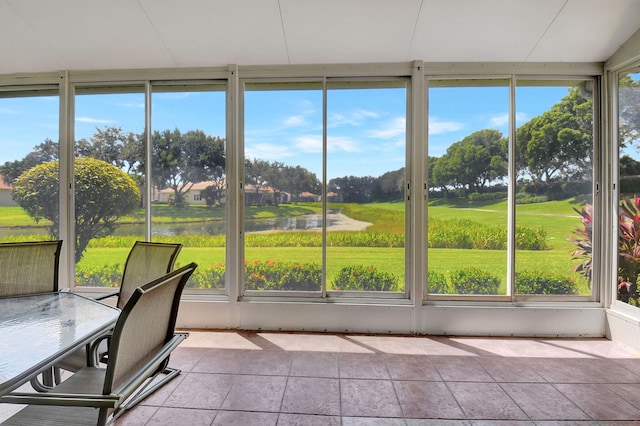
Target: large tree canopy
column 559, row 142
column 473, row 162
column 103, row 194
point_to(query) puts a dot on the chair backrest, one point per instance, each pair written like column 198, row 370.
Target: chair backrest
column 145, row 324
column 30, row 267
column 146, row 262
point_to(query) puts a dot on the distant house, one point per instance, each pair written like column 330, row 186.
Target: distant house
column 265, row 195
column 308, row 197
column 5, row 194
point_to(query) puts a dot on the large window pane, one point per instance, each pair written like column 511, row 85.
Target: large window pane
column 366, row 175
column 29, row 138
column 109, row 177
column 467, row 211
column 554, row 152
column 629, row 167
column 189, row 177
column 282, row 175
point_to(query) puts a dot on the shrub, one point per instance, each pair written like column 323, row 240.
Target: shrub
column 524, row 198
column 274, row 275
column 487, row 196
column 365, row 278
column 629, row 184
column 474, row 281
column 99, row 276
column 437, row 283
column 537, row 283
column 208, row 277
column 468, row 234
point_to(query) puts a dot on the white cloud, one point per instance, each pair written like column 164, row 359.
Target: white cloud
column 500, row 120
column 353, row 118
column 522, row 117
column 93, row 120
column 437, row 127
column 394, row 128
column 8, row 111
column 295, row 120
column 267, row 151
column 503, row 119
column 312, row 144
column 342, row 143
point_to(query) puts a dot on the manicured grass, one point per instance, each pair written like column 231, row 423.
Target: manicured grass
column 557, row 218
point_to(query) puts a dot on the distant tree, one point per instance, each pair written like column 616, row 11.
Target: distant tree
column 353, row 189
column 390, row 186
column 559, row 142
column 103, row 194
column 301, row 180
column 629, row 110
column 256, row 173
column 111, row 144
column 182, row 160
column 46, row 151
column 629, row 166
column 473, row 162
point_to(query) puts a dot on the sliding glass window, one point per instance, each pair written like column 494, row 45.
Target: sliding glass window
column 29, row 167
column 189, row 176
column 467, row 173
column 109, row 179
column 366, row 176
column 554, row 181
column 283, row 220
column 324, row 194
column 628, row 225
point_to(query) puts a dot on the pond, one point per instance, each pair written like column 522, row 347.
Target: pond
column 305, row 222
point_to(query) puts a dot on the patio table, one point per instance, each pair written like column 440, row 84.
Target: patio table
column 38, row 330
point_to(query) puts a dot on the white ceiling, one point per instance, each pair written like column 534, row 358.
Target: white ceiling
column 45, row 35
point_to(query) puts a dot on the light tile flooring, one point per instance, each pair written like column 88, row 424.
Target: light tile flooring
column 262, row 378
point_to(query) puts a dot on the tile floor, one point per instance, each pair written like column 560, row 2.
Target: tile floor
column 262, row 378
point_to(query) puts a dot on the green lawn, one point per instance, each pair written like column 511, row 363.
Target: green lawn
column 557, row 218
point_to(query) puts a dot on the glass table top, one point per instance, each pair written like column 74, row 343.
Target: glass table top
column 36, row 330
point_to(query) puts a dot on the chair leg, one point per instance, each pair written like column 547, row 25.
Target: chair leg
column 146, row 390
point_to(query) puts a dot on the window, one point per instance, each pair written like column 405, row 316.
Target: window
column 29, row 134
column 629, row 184
column 283, row 214
column 504, row 213
column 467, row 219
column 366, row 175
column 109, row 181
column 554, row 181
column 324, row 205
column 188, row 163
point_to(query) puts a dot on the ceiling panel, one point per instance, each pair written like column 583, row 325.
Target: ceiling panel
column 23, row 50
column 341, row 31
column 220, row 32
column 45, row 35
column 94, row 34
column 588, row 31
column 485, row 30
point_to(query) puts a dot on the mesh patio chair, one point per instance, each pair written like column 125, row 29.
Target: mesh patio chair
column 142, row 340
column 146, row 261
column 29, row 268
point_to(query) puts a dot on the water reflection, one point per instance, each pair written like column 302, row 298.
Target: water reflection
column 335, row 221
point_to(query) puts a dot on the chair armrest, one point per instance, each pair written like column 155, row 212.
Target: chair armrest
column 106, row 296
column 64, row 399
column 138, row 377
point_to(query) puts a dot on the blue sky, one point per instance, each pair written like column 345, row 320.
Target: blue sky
column 365, row 127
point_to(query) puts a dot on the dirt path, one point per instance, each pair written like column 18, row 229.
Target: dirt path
column 340, row 222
